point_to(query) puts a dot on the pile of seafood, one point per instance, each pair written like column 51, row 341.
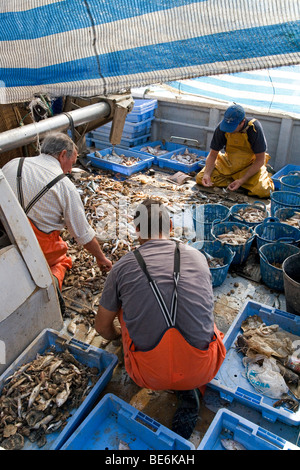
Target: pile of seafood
column 157, row 151
column 294, row 220
column 260, row 343
column 236, row 236
column 38, row 398
column 186, row 157
column 251, row 214
column 215, row 262
column 120, row 159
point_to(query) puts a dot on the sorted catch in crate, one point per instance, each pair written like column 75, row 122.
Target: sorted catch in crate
column 156, row 151
column 260, row 341
column 237, row 236
column 231, row 444
column 39, row 398
column 215, row 262
column 120, row 159
column 294, row 221
column 251, row 214
column 186, row 157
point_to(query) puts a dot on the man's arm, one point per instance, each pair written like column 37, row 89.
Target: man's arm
column 94, row 248
column 104, row 323
column 252, row 170
column 209, row 167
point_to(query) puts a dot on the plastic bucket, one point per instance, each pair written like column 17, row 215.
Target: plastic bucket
column 235, row 217
column 291, row 282
column 290, row 182
column 272, row 231
column 271, row 254
column 284, row 199
column 216, row 250
column 241, row 251
column 284, row 214
column 204, row 215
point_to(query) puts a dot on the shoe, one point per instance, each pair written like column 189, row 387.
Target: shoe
column 186, row 415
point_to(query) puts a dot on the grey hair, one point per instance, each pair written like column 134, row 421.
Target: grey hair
column 54, row 143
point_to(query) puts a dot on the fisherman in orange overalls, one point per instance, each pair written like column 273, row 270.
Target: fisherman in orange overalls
column 51, row 202
column 162, row 294
column 244, row 162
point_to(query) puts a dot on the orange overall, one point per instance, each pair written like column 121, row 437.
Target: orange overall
column 52, row 245
column 235, row 163
column 173, row 363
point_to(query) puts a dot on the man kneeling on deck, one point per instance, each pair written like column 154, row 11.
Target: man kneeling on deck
column 244, row 162
column 162, row 293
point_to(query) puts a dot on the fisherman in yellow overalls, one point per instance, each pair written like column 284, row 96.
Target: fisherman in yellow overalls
column 244, row 162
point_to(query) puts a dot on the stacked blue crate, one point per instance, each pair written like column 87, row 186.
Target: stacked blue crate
column 136, row 131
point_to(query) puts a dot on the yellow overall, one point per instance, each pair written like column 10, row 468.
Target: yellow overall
column 235, row 163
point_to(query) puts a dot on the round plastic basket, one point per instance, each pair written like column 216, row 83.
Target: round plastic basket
column 272, row 231
column 284, row 199
column 290, row 182
column 204, row 215
column 272, row 256
column 215, row 249
column 235, row 217
column 241, row 251
column 284, row 214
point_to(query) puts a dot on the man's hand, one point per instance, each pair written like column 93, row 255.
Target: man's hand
column 235, row 185
column 206, row 180
column 105, row 264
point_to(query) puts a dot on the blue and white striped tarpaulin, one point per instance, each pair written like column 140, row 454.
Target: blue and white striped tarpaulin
column 271, row 90
column 92, row 47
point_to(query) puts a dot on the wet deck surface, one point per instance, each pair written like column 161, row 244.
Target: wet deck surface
column 82, row 298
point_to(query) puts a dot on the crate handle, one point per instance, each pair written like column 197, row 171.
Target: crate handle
column 270, row 219
column 185, row 140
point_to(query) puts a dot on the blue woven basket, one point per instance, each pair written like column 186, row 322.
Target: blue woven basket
column 284, row 214
column 272, row 231
column 271, row 253
column 284, row 199
column 204, row 215
column 216, row 250
column 241, row 251
column 290, row 182
column 235, row 217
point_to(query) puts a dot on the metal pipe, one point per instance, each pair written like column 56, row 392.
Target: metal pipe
column 24, row 135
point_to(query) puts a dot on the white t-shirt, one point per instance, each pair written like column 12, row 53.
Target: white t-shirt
column 60, row 207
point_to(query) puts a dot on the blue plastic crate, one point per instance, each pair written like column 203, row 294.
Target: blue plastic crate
column 216, row 250
column 231, row 382
column 203, row 217
column 272, row 230
column 85, row 354
column 167, row 146
column 284, row 171
column 97, row 162
column 165, row 161
column 131, row 130
column 229, row 425
column 271, row 255
column 284, row 199
column 114, row 424
column 242, row 250
column 104, row 142
column 142, row 110
column 290, row 182
column 235, row 217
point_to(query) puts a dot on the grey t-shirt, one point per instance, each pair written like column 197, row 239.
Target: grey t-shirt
column 127, row 287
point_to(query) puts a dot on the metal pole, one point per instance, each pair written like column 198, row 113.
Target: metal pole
column 24, row 135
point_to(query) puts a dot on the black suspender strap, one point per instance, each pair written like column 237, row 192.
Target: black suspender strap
column 39, row 195
column 169, row 316
column 43, row 191
column 19, row 182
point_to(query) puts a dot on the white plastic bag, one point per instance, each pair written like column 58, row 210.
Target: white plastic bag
column 265, row 378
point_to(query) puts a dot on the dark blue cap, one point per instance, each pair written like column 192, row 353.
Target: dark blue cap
column 232, row 118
